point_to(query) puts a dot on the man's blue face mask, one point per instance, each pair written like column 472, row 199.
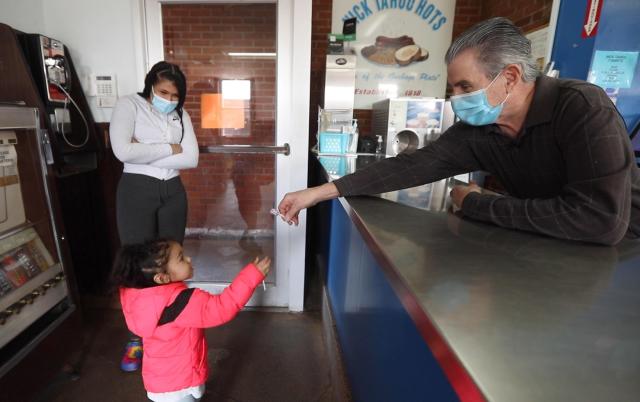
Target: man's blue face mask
column 162, row 105
column 474, row 108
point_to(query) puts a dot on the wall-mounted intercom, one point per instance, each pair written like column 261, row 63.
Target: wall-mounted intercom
column 104, row 88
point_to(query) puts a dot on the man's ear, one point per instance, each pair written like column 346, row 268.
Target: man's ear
column 513, row 74
column 161, row 278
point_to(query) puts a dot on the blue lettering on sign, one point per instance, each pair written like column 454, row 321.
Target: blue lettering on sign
column 438, row 24
column 428, row 12
column 397, row 4
column 360, row 10
column 438, row 12
column 356, row 11
column 429, row 77
column 403, row 76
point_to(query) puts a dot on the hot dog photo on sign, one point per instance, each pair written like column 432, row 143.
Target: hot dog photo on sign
column 401, row 51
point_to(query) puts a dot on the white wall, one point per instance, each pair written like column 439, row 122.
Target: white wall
column 23, row 15
column 102, row 37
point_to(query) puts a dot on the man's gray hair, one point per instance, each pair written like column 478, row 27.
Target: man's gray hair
column 498, row 43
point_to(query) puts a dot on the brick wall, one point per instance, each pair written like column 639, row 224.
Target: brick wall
column 468, row 12
column 198, row 38
column 527, row 14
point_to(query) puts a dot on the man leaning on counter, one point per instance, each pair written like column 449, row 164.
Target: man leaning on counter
column 559, row 147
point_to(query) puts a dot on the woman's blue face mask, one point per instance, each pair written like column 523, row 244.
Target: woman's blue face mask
column 474, row 108
column 162, row 105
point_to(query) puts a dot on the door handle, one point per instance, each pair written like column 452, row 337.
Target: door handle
column 245, row 149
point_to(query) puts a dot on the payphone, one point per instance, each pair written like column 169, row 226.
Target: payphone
column 52, row 72
column 56, row 71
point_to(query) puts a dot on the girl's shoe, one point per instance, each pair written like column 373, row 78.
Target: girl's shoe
column 132, row 357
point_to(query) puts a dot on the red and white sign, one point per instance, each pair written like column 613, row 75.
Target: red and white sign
column 591, row 18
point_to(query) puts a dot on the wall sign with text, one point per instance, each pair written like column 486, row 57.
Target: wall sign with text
column 400, row 47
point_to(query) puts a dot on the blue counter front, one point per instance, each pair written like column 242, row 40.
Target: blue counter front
column 385, row 353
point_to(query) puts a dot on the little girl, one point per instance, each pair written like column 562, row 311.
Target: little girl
column 170, row 317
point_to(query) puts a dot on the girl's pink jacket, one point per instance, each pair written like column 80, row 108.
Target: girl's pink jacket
column 175, row 354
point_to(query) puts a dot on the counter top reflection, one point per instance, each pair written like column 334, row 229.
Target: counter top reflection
column 529, row 318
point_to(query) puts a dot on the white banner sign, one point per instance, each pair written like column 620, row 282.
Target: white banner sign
column 400, row 46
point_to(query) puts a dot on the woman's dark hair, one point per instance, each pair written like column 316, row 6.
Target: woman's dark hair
column 136, row 264
column 166, row 71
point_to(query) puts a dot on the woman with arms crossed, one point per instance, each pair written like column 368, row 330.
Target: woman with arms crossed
column 153, row 136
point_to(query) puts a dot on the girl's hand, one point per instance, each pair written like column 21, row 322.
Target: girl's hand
column 263, row 264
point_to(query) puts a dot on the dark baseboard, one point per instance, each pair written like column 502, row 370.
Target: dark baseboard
column 341, row 389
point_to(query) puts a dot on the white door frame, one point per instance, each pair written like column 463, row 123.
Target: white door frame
column 292, row 122
column 551, row 30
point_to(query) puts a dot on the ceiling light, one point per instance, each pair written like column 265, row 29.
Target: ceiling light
column 241, row 54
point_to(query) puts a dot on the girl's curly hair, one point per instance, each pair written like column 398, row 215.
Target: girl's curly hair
column 136, row 264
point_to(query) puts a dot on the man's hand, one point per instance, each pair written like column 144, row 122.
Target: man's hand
column 458, row 193
column 293, row 203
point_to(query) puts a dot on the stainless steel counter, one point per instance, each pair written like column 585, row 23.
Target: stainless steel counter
column 526, row 317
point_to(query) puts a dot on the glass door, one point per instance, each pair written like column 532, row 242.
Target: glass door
column 238, row 58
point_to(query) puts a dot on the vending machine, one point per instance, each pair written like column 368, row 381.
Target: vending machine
column 39, row 322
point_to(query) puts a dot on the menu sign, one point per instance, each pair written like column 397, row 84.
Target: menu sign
column 400, row 47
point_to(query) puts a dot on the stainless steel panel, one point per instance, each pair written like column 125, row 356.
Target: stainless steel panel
column 12, row 117
column 340, row 82
column 246, row 149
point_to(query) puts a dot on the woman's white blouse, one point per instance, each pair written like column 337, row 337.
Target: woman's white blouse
column 135, row 118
